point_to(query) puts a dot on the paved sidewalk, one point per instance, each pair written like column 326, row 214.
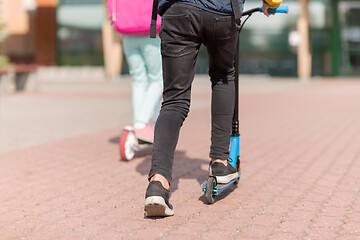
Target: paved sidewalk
column 61, row 177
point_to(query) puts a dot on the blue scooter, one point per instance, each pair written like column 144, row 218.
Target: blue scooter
column 210, row 187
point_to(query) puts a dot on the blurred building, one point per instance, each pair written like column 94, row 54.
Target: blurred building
column 79, row 24
column 30, row 30
column 76, row 32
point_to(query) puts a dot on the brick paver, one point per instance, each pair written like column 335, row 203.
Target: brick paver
column 299, row 159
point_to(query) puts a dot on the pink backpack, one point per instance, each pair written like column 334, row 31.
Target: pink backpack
column 132, row 17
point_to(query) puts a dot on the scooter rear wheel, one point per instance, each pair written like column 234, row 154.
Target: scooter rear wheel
column 127, row 145
column 210, row 190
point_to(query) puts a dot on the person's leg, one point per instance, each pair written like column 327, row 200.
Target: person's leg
column 179, row 47
column 222, row 46
column 150, row 49
column 137, row 71
column 175, row 107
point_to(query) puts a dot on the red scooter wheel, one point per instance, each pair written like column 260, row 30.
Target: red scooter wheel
column 128, row 144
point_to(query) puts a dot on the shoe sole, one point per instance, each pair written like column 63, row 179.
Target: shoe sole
column 156, row 207
column 227, row 178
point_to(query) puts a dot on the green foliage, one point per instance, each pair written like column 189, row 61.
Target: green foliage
column 4, row 61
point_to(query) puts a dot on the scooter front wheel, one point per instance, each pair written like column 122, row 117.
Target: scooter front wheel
column 127, row 145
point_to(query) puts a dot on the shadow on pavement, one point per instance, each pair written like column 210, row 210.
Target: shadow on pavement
column 184, row 168
column 114, row 140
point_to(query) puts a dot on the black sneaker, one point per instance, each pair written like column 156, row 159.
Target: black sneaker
column 157, row 201
column 223, row 174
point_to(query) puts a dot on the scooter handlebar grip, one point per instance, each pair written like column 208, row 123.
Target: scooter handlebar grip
column 279, row 9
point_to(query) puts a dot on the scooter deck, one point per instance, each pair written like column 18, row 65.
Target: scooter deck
column 144, row 141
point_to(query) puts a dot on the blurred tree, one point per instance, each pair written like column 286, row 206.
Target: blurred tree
column 3, row 59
